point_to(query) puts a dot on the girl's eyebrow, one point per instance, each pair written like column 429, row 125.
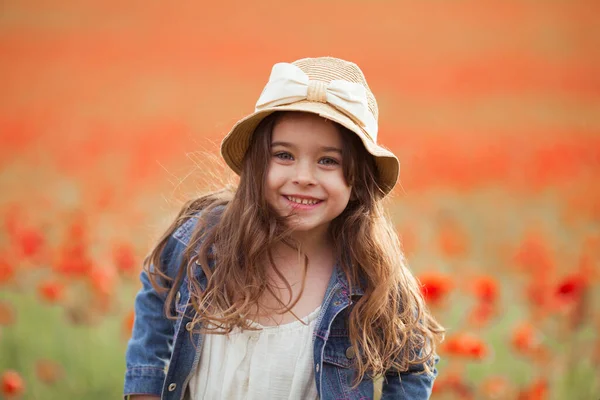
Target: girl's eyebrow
column 323, row 148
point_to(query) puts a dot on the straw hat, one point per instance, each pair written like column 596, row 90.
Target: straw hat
column 327, row 86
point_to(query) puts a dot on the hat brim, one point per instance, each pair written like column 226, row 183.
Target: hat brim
column 235, row 144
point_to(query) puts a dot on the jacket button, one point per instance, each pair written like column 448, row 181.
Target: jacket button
column 350, row 353
column 189, row 326
column 172, row 387
column 317, row 368
column 177, row 297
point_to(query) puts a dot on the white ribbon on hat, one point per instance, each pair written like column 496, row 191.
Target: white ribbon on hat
column 289, row 84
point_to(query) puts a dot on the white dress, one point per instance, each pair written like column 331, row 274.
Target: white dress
column 275, row 362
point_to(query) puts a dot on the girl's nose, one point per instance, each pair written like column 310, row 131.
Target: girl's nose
column 304, row 174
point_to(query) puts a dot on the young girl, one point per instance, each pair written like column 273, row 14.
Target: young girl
column 292, row 285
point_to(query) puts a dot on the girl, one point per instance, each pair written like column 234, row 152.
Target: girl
column 293, row 285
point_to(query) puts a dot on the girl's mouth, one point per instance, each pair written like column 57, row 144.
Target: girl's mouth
column 302, row 204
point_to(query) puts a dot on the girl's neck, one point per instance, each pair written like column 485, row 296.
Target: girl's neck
column 314, row 246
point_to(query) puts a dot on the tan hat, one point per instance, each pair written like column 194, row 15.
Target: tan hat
column 327, row 86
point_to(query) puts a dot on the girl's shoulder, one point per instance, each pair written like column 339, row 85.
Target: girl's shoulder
column 179, row 242
column 186, row 231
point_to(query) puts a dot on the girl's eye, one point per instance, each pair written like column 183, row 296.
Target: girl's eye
column 283, row 156
column 329, row 161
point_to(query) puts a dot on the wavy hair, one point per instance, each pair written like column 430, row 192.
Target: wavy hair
column 390, row 324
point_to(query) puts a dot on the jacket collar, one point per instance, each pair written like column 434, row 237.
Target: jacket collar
column 356, row 290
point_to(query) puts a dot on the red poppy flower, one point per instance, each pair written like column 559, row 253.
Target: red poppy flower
column 486, row 289
column 538, row 390
column 525, row 338
column 570, row 289
column 12, row 384
column 30, row 242
column 51, row 291
column 482, row 313
column 435, row 286
column 124, row 258
column 73, row 260
column 7, row 271
column 466, row 345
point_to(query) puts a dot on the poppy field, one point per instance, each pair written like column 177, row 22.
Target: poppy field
column 111, row 116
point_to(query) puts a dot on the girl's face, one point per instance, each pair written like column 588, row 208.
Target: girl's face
column 305, row 175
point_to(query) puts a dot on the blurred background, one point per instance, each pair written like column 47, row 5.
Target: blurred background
column 111, row 114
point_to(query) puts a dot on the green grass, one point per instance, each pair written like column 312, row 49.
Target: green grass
column 93, row 356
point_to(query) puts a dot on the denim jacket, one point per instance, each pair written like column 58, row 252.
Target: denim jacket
column 162, row 355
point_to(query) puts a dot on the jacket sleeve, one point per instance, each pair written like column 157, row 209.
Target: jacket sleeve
column 409, row 385
column 149, row 349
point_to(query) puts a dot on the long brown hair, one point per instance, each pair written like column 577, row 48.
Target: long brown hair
column 390, row 324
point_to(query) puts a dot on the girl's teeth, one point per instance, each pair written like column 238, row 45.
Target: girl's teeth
column 302, row 201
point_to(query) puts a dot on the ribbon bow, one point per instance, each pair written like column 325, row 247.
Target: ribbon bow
column 289, row 84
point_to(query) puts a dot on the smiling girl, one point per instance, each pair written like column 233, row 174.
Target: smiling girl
column 293, row 285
